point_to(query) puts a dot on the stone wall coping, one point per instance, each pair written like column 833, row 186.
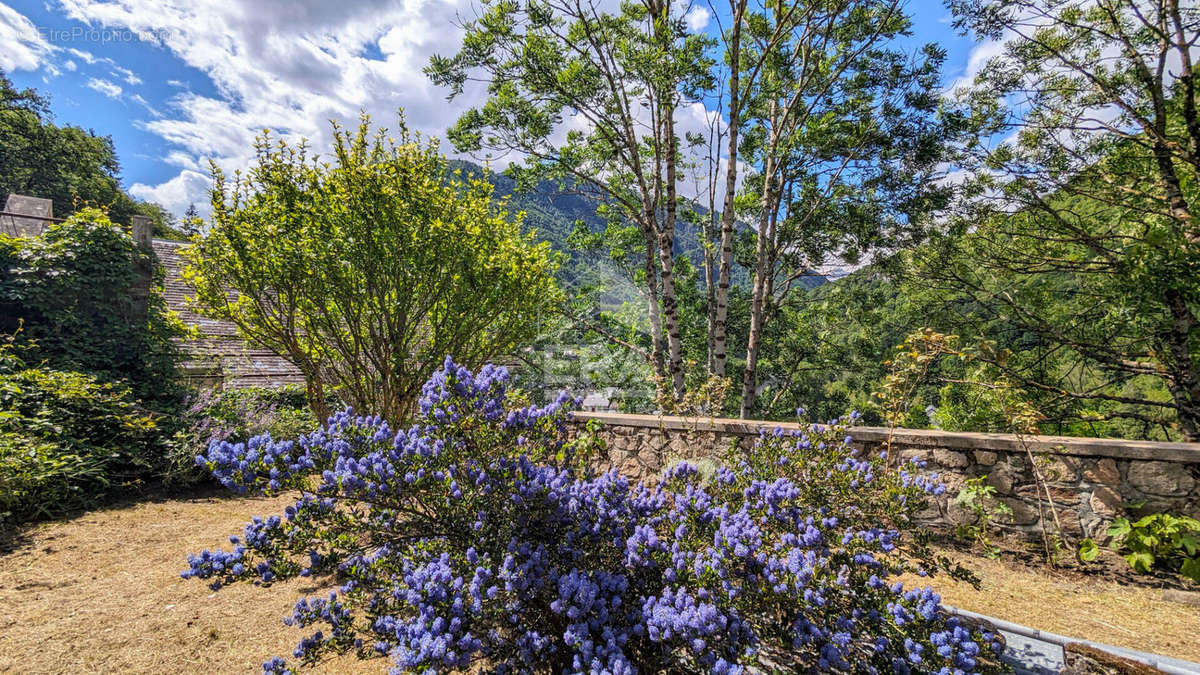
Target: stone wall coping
column 934, row 438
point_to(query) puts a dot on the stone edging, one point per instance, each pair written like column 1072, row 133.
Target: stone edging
column 956, row 440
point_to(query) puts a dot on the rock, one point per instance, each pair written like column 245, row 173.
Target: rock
column 921, row 454
column 950, row 459
column 1152, row 506
column 1105, row 501
column 954, row 483
column 1060, row 495
column 932, row 512
column 1060, row 469
column 1097, row 529
column 958, row 514
column 1104, row 471
column 1022, row 513
column 1001, row 479
column 985, row 457
column 1068, row 519
column 1169, row 479
column 1017, row 462
column 1084, row 659
column 631, row 469
column 1186, row 597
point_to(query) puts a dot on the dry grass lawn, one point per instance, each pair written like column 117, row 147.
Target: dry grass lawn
column 1110, row 611
column 102, row 593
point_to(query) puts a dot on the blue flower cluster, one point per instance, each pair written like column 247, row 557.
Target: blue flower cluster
column 472, row 536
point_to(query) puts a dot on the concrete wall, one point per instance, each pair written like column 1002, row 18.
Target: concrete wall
column 1092, row 480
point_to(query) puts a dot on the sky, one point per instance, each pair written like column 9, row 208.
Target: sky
column 178, row 83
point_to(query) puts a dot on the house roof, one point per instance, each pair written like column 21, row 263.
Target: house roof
column 219, row 353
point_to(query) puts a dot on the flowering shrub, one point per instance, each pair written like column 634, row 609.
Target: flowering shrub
column 478, row 537
column 232, row 415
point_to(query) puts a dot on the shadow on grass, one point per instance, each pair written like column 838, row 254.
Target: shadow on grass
column 16, row 536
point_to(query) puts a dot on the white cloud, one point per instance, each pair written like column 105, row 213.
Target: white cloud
column 22, row 46
column 87, row 57
column 290, row 66
column 980, row 55
column 109, row 89
column 186, row 188
column 182, row 159
column 137, row 98
column 697, row 18
column 127, row 75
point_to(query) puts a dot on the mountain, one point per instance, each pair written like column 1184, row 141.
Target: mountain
column 553, row 212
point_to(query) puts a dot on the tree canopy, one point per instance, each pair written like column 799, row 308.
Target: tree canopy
column 71, row 166
column 367, row 270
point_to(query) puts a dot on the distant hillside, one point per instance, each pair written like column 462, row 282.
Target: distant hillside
column 553, row 212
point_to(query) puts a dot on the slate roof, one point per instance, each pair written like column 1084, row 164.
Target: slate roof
column 219, row 354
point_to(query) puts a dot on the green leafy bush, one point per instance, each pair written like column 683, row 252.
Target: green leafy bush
column 236, row 416
column 364, row 269
column 1159, row 539
column 67, row 441
column 68, row 297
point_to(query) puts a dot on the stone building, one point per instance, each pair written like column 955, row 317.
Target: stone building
column 217, row 357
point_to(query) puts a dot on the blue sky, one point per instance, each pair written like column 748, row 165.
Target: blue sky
column 180, row 82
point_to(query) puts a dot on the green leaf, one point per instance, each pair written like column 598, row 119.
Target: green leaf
column 1189, row 543
column 1119, row 528
column 1191, row 569
column 1088, row 550
column 1140, row 561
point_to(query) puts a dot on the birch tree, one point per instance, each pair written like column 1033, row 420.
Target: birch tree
column 591, row 95
column 841, row 133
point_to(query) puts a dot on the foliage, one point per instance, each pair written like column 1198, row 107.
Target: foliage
column 234, row 415
column 1078, row 231
column 67, row 441
column 701, row 397
column 843, row 140
column 69, row 295
column 66, row 164
column 907, row 369
column 365, row 271
column 980, row 500
column 548, row 62
column 478, row 534
column 828, row 357
column 1159, row 539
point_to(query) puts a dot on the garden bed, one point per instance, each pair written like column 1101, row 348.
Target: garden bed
column 102, row 593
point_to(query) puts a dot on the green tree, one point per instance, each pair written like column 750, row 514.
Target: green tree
column 367, row 271
column 1082, row 228
column 66, row 164
column 613, row 81
column 844, row 144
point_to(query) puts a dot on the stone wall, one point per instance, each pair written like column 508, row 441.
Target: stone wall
column 1091, row 480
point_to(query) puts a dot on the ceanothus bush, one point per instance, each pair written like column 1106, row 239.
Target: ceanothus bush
column 479, row 538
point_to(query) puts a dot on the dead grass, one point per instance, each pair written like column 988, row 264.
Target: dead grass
column 1110, row 611
column 102, row 593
